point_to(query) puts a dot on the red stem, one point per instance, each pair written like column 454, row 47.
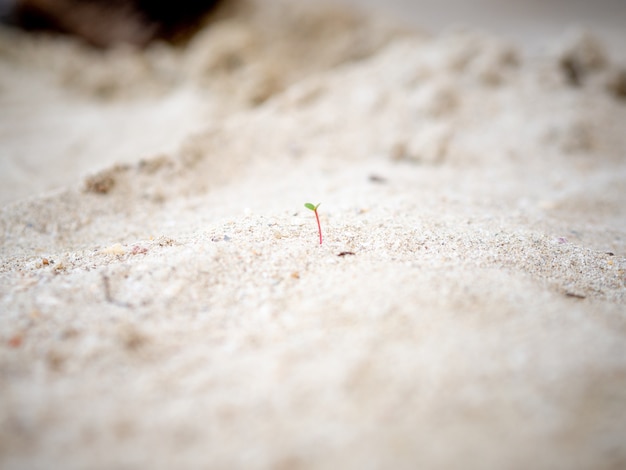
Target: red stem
column 319, row 227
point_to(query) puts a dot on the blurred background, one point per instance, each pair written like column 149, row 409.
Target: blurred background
column 67, row 110
column 531, row 22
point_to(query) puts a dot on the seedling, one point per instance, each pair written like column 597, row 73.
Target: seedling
column 310, row 206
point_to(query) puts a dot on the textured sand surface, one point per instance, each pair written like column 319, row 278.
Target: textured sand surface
column 175, row 310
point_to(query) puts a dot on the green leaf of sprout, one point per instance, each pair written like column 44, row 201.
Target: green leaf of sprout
column 310, row 206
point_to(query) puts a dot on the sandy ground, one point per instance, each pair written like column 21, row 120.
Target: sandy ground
column 165, row 301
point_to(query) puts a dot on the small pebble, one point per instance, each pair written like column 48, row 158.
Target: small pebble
column 116, row 249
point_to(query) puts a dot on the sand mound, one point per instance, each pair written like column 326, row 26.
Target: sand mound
column 176, row 309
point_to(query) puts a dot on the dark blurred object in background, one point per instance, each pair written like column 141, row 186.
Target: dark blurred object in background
column 104, row 23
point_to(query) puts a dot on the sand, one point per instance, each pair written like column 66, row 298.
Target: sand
column 165, row 301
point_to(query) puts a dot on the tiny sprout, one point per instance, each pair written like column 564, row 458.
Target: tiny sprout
column 310, row 206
